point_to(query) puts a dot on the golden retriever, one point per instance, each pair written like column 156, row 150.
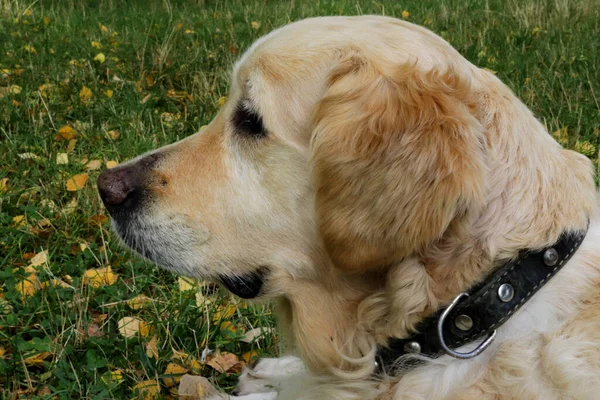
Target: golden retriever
column 361, row 175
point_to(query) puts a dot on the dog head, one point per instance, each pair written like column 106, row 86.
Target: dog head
column 342, row 142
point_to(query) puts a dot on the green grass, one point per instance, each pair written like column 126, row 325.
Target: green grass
column 167, row 64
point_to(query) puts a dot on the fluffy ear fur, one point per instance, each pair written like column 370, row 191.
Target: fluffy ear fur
column 397, row 156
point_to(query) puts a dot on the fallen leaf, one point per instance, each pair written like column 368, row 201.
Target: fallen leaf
column 18, row 220
column 44, row 390
column 187, row 360
column 146, row 98
column 97, row 317
column 76, row 182
column 97, row 277
column 93, row 165
column 109, row 93
column 112, row 377
column 37, row 359
column 93, row 330
column 185, row 284
column 147, row 390
column 152, row 348
column 100, row 57
column 62, row 159
column 253, row 334
column 129, row 326
column 98, row 219
column 2, row 352
column 138, row 301
column 65, row 133
column 193, row 387
column 221, row 101
column 175, row 370
column 39, row 259
column 15, row 89
column 250, row 356
column 114, row 135
column 111, row 164
column 3, row 184
column 255, row 24
column 71, row 145
column 96, row 45
column 28, row 286
column 223, row 312
column 224, row 362
column 85, row 95
column 229, row 327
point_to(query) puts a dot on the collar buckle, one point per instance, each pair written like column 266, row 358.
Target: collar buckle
column 440, row 333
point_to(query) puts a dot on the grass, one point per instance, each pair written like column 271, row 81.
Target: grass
column 129, row 78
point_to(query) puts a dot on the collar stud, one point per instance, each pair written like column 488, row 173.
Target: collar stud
column 463, row 322
column 506, row 292
column 412, row 347
column 550, row 257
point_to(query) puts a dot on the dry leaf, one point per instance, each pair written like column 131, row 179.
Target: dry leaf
column 85, row 95
column 65, row 133
column 18, row 220
column 187, row 360
column 229, row 327
column 185, row 284
column 138, row 301
column 255, row 24
column 96, row 45
column 37, row 359
column 112, row 378
column 62, row 159
column 71, row 145
column 39, row 259
column 114, row 135
column 129, row 326
column 93, row 330
column 147, row 390
column 56, row 282
column 2, row 352
column 221, row 101
column 100, row 57
column 152, row 348
column 223, row 312
column 28, row 286
column 109, row 93
column 252, row 334
column 3, row 184
column 250, row 356
column 194, row 387
column 224, row 362
column 97, row 277
column 175, row 370
column 111, row 164
column 98, row 219
column 93, row 165
column 76, row 182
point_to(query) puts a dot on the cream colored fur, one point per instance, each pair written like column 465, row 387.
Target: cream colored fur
column 394, row 175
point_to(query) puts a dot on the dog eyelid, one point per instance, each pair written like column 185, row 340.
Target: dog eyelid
column 247, row 122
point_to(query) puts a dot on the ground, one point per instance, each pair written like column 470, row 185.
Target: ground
column 88, row 84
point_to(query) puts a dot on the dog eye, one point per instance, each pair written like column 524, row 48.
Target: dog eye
column 248, row 122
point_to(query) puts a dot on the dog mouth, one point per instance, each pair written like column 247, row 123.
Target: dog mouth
column 246, row 286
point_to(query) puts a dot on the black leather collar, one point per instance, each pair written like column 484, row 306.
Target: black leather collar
column 483, row 309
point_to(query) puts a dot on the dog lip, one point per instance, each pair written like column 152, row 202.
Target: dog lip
column 246, row 286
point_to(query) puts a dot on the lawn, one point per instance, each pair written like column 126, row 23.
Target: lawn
column 88, row 84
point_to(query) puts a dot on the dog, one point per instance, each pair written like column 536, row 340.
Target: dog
column 363, row 176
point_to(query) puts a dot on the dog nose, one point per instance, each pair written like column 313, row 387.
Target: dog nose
column 116, row 185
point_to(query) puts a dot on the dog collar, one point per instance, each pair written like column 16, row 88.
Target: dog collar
column 479, row 312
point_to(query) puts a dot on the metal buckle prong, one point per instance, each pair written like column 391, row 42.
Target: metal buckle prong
column 440, row 332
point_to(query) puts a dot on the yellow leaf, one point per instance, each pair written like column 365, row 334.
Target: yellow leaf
column 185, row 284
column 250, row 356
column 405, row 14
column 97, row 277
column 112, row 378
column 29, row 49
column 37, row 359
column 103, row 28
column 85, row 95
column 223, row 312
column 175, row 370
column 221, row 101
column 147, row 390
column 255, row 24
column 3, row 185
column 96, row 45
column 39, row 259
column 62, row 159
column 76, row 182
column 71, row 145
column 2, row 352
column 114, row 135
column 18, row 220
column 65, row 133
column 28, row 286
column 229, row 327
column 586, row 148
column 109, row 93
column 224, row 362
column 187, row 360
column 93, row 165
column 46, row 20
column 100, row 57
column 152, row 348
column 138, row 301
column 28, row 13
column 129, row 326
column 15, row 89
column 111, row 164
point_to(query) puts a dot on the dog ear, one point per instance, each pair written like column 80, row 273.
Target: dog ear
column 396, row 156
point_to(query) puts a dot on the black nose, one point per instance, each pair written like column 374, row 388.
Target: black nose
column 118, row 185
